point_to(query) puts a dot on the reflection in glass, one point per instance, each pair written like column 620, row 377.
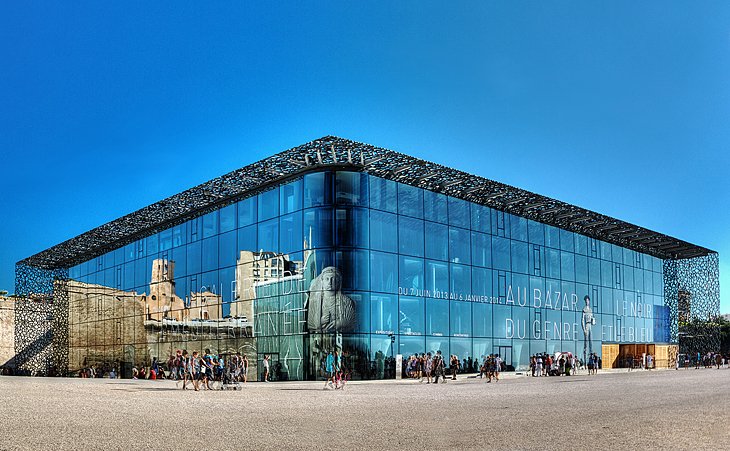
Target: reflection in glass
column 383, row 194
column 383, row 272
column 410, row 232
column 317, row 189
column 318, row 227
column 410, row 201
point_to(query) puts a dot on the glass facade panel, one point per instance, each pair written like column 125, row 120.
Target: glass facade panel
column 410, row 201
column 410, row 233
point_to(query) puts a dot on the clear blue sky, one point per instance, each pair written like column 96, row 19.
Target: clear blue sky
column 619, row 107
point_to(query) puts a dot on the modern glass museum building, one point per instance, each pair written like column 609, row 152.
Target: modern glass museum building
column 341, row 245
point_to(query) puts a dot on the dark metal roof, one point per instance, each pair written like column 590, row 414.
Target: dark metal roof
column 334, row 152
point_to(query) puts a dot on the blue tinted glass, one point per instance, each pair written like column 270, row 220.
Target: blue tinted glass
column 519, row 256
column 179, row 258
column 461, row 322
column 210, row 224
column 567, row 241
column 353, row 266
column 459, row 212
column 351, row 227
column 502, row 321
column 481, row 218
column 210, row 253
column 552, row 237
column 501, row 253
column 567, row 266
column 165, row 241
column 518, row 228
column 228, row 218
column 410, row 232
column 410, row 201
column 317, row 189
column 383, row 194
column 581, row 268
column 193, row 258
column 179, row 234
column 290, row 196
column 481, row 249
column 482, row 320
column 226, row 279
column 290, row 233
column 460, row 280
column 552, row 262
column 383, row 314
column 481, row 283
column 581, row 244
column 142, row 274
column 607, row 270
column 459, row 246
column 128, row 274
column 617, row 253
column 411, row 276
column 247, row 211
column 437, row 279
column 412, row 313
column 268, row 234
column 536, row 232
column 318, row 227
column 153, row 243
column 247, row 239
column 437, row 241
column 594, row 271
column 227, row 249
column 437, row 317
column 351, row 188
column 435, row 207
column 383, row 272
column 383, row 231
column 209, row 283
column 605, row 250
column 500, row 223
column 268, row 204
column 410, row 345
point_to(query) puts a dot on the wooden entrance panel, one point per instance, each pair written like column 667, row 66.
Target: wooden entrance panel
column 609, row 355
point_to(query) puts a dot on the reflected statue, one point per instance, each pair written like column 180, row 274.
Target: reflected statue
column 328, row 309
column 587, row 321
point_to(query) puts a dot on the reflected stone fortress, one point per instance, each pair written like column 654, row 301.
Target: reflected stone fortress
column 339, row 245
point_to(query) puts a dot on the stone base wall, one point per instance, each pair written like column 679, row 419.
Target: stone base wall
column 7, row 332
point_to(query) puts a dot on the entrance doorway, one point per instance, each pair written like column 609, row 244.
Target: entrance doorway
column 505, row 352
column 633, row 355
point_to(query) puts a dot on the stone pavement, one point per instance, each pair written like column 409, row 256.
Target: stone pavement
column 614, row 410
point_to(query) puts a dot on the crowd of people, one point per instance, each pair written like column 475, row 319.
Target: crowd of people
column 707, row 360
column 432, row 367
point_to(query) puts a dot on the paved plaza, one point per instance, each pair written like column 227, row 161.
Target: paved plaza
column 618, row 410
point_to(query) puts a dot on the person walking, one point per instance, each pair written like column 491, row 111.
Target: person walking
column 439, row 368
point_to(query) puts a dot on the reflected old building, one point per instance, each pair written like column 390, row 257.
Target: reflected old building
column 341, row 245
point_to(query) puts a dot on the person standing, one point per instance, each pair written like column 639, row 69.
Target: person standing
column 266, row 368
column 538, row 365
column 244, row 368
column 428, row 367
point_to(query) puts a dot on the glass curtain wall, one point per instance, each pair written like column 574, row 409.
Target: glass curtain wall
column 370, row 267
